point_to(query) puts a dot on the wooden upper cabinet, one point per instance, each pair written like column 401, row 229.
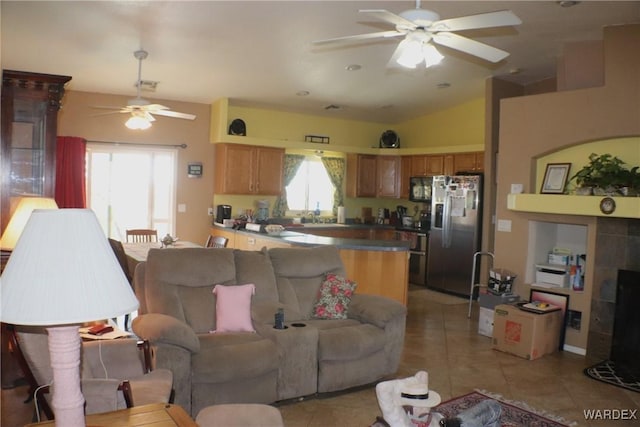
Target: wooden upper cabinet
column 388, row 176
column 427, row 165
column 405, row 175
column 248, row 169
column 361, row 175
column 369, row 175
column 468, row 162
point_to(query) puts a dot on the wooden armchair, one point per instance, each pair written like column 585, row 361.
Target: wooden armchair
column 139, row 235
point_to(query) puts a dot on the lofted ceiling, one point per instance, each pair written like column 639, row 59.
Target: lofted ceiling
column 260, row 53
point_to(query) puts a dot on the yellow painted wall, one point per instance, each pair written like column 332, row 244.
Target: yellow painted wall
column 456, row 129
column 626, row 149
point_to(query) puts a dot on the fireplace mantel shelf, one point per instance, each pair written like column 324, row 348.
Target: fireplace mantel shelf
column 626, row 207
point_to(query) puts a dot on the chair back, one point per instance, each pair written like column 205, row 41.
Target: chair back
column 142, row 235
column 216, row 242
column 121, row 256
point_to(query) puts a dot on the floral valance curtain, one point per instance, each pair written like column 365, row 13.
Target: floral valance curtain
column 335, row 167
column 292, row 163
column 70, row 191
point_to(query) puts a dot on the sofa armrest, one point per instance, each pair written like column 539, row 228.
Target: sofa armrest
column 374, row 309
column 160, row 328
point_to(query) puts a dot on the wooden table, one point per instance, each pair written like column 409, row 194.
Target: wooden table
column 155, row 414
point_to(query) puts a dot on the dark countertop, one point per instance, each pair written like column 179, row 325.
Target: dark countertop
column 303, row 239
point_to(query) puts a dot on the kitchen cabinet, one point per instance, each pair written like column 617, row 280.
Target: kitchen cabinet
column 468, row 162
column 361, row 175
column 30, row 104
column 248, row 169
column 427, row 165
column 373, row 176
column 405, row 176
column 388, row 176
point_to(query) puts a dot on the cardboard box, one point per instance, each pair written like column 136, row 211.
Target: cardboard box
column 485, row 322
column 525, row 334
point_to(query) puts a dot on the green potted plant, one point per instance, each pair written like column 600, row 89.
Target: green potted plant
column 600, row 176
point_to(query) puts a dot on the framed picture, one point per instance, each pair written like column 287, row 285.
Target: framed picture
column 555, row 178
column 559, row 300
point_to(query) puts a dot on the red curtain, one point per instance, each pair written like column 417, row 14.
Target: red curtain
column 70, row 172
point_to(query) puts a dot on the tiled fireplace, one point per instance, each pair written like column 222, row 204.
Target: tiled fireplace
column 617, row 247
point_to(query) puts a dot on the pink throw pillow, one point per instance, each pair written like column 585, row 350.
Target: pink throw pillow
column 334, row 297
column 233, row 308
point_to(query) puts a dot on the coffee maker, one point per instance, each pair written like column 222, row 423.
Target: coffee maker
column 223, row 212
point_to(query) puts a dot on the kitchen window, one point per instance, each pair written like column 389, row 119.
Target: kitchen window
column 310, row 188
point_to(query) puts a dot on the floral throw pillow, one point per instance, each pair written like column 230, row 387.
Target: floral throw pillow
column 334, row 297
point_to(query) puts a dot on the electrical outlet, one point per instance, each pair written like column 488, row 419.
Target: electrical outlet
column 210, row 211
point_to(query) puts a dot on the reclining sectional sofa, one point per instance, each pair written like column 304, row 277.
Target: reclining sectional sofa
column 178, row 312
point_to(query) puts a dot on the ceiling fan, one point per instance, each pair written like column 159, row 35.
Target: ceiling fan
column 421, row 27
column 140, row 109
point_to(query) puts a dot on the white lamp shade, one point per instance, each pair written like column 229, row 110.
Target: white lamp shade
column 19, row 219
column 63, row 271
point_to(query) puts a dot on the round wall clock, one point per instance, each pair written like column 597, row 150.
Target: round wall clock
column 607, row 205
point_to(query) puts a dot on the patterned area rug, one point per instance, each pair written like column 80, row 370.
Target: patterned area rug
column 514, row 414
column 606, row 372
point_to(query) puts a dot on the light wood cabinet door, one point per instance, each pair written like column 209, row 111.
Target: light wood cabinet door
column 427, row 165
column 247, row 169
column 361, row 175
column 388, row 176
column 269, row 168
column 468, row 162
column 448, row 165
column 405, row 176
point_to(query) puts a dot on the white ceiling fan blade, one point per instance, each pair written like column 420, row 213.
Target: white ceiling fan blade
column 469, row 46
column 106, row 107
column 175, row 114
column 392, row 18
column 154, row 107
column 484, row 20
column 381, row 34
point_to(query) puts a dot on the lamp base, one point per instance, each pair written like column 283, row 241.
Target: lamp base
column 64, row 351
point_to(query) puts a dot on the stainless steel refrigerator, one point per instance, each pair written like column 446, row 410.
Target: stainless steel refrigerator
column 456, row 209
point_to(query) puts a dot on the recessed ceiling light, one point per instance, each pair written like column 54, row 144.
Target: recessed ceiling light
column 302, row 93
column 567, row 3
column 353, row 67
column 515, row 70
column 332, row 107
column 443, row 85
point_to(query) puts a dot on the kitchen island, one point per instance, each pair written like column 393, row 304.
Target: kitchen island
column 380, row 267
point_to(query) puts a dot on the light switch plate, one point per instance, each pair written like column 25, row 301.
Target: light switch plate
column 516, row 188
column 182, row 208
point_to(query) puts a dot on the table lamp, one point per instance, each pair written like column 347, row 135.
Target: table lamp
column 18, row 220
column 63, row 273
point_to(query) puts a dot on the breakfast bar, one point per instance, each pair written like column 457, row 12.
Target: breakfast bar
column 379, row 266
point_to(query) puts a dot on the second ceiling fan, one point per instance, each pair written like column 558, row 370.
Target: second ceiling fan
column 140, row 109
column 421, row 28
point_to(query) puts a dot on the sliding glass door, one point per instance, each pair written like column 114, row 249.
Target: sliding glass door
column 132, row 188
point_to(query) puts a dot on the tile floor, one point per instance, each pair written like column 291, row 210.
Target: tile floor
column 441, row 340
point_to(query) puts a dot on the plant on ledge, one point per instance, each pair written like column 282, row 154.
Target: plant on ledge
column 606, row 175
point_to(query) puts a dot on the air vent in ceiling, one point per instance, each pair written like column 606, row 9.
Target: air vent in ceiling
column 147, row 85
column 332, row 107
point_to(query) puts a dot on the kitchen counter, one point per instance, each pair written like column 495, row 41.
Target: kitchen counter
column 379, row 266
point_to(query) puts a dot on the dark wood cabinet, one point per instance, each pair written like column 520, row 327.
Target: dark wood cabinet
column 30, row 104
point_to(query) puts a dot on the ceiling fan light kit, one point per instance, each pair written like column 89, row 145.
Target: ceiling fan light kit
column 140, row 109
column 422, row 28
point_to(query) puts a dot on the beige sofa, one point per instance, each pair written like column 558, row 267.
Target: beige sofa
column 178, row 311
